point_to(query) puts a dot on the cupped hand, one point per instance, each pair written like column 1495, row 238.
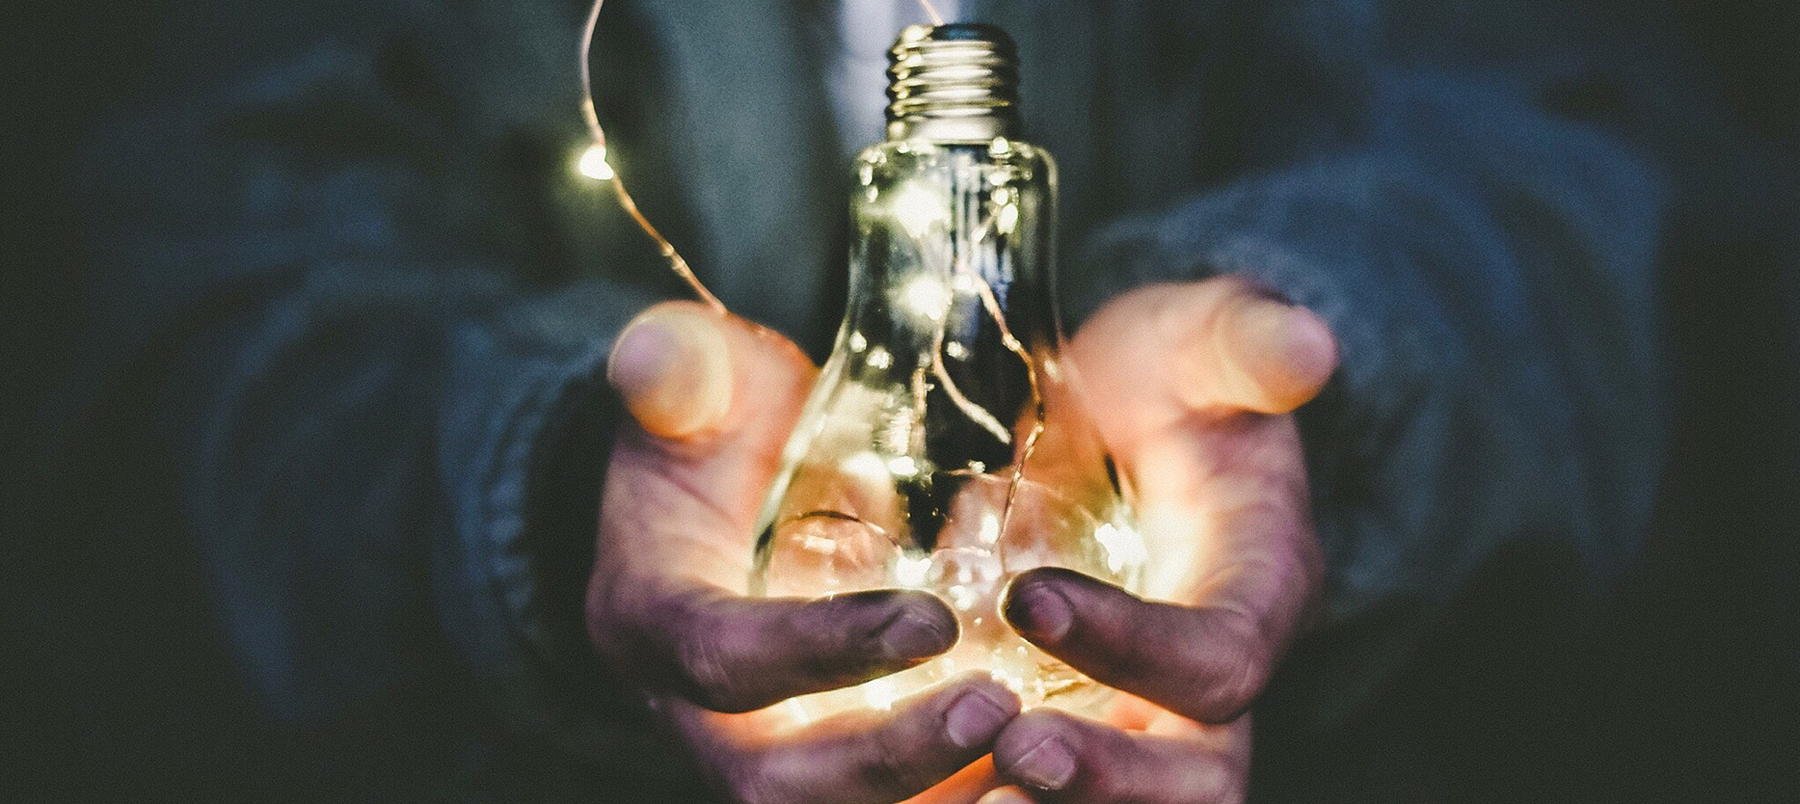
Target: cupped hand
column 712, row 400
column 1192, row 386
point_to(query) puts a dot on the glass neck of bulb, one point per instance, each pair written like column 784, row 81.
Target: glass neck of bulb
column 953, row 83
column 953, row 217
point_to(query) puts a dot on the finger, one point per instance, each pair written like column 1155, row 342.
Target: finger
column 1221, row 344
column 1272, row 357
column 736, row 654
column 1007, row 795
column 966, row 786
column 872, row 757
column 1206, row 663
column 687, row 476
column 684, row 370
column 684, row 485
column 1064, row 759
column 672, row 366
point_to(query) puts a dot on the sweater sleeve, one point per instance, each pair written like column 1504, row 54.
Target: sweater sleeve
column 1485, row 252
column 388, row 442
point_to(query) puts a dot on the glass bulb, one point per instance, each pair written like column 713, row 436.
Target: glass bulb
column 946, row 447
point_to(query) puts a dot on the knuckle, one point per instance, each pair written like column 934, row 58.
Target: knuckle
column 1121, row 785
column 1134, row 655
column 1130, row 660
column 1208, row 785
column 707, row 671
column 609, row 625
column 894, row 770
column 1217, row 784
column 1237, row 670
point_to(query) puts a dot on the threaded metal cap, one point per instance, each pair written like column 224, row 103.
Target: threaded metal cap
column 953, row 83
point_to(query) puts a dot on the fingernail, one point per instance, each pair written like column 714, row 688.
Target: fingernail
column 975, row 719
column 915, row 635
column 1310, row 343
column 672, row 367
column 1299, row 336
column 1040, row 612
column 1049, row 765
column 1284, row 352
column 1005, row 795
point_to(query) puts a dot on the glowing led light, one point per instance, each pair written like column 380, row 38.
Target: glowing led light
column 918, row 210
column 990, row 528
column 1124, row 547
column 880, row 358
column 911, row 572
column 593, row 165
column 956, row 350
column 964, row 597
column 927, row 297
column 865, row 466
column 858, row 342
column 903, row 466
column 1007, row 220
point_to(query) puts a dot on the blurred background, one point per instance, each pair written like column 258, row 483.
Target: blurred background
column 1683, row 686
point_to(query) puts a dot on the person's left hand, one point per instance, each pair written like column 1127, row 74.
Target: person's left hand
column 1193, row 386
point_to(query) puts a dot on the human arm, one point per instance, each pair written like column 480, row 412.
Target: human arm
column 324, row 285
column 1467, row 203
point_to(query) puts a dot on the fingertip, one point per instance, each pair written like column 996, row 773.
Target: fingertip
column 978, row 713
column 1006, row 795
column 672, row 366
column 1037, row 608
column 1283, row 354
column 1038, row 750
column 921, row 627
column 1311, row 349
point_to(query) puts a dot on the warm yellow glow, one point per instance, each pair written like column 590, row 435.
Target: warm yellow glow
column 926, row 296
column 880, row 358
column 1007, row 220
column 918, row 210
column 912, row 572
column 1124, row 547
column 990, row 528
column 593, row 164
column 881, row 694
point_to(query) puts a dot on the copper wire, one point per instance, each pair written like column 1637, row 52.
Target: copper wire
column 680, row 266
column 932, row 12
column 592, row 117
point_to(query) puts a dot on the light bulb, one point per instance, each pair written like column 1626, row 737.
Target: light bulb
column 945, row 447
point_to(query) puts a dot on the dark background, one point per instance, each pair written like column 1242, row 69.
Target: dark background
column 1684, row 685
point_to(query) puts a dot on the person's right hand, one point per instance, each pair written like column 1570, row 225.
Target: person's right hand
column 712, row 399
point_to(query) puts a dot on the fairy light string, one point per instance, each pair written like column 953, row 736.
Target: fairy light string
column 595, row 164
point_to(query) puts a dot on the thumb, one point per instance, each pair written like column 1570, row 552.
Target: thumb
column 712, row 399
column 672, row 365
column 1219, row 345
